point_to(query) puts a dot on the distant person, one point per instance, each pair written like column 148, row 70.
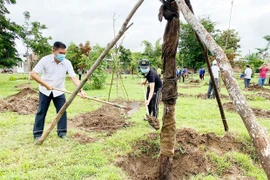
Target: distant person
column 178, row 72
column 53, row 68
column 263, row 73
column 80, row 71
column 247, row 76
column 201, row 73
column 215, row 71
column 159, row 72
column 184, row 73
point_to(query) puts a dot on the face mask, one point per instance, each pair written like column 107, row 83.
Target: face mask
column 60, row 57
column 144, row 71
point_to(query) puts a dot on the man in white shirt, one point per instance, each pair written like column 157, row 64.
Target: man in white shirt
column 215, row 71
column 53, row 68
column 247, row 76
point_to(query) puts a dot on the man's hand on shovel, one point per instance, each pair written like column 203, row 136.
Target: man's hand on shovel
column 82, row 94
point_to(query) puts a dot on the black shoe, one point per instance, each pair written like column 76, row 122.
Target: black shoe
column 37, row 138
column 64, row 137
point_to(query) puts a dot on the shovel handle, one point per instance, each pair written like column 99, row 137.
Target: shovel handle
column 147, row 111
column 94, row 99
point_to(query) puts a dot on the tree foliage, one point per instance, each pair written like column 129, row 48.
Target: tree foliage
column 229, row 41
column 125, row 58
column 98, row 78
column 79, row 55
column 152, row 53
column 8, row 34
column 190, row 51
column 83, row 57
column 254, row 60
column 33, row 37
column 263, row 52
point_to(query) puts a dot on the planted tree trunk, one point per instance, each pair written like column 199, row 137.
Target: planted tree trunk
column 258, row 134
column 123, row 29
column 169, row 89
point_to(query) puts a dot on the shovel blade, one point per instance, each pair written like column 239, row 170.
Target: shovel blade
column 134, row 107
column 153, row 121
column 130, row 108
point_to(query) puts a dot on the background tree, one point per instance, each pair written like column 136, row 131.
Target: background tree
column 134, row 65
column 263, row 52
column 79, row 55
column 9, row 32
column 229, row 41
column 34, row 40
column 255, row 61
column 190, row 51
column 33, row 37
column 125, row 57
column 98, row 78
column 152, row 53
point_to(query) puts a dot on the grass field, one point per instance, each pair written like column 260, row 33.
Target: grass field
column 57, row 159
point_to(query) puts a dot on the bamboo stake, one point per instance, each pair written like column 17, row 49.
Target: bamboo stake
column 123, row 29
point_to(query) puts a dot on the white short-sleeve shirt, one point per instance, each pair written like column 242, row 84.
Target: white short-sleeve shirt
column 53, row 74
column 248, row 73
column 215, row 70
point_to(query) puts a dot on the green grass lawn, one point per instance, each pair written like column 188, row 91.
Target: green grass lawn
column 57, row 159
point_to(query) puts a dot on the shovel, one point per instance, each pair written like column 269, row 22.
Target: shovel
column 153, row 121
column 128, row 110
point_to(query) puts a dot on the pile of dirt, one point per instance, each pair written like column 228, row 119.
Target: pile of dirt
column 204, row 96
column 258, row 112
column 83, row 138
column 190, row 158
column 191, row 86
column 185, row 95
column 256, row 87
column 107, row 118
column 22, row 86
column 24, row 102
column 194, row 81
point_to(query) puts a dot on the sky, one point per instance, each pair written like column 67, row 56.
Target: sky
column 81, row 20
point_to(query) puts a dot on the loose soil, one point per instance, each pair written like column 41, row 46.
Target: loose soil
column 24, row 102
column 204, row 96
column 194, row 81
column 256, row 87
column 191, row 156
column 83, row 138
column 258, row 112
column 187, row 87
column 107, row 118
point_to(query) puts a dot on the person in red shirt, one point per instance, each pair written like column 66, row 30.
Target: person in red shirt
column 263, row 72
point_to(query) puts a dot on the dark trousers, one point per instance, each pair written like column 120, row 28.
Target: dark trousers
column 247, row 82
column 153, row 105
column 44, row 103
column 211, row 89
column 80, row 76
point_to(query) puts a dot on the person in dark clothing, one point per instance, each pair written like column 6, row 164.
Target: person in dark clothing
column 184, row 73
column 153, row 89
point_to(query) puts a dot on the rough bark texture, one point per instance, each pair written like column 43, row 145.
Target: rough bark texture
column 169, row 89
column 123, row 29
column 258, row 134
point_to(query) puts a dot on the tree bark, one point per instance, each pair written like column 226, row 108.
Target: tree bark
column 169, row 94
column 258, row 134
column 123, row 29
